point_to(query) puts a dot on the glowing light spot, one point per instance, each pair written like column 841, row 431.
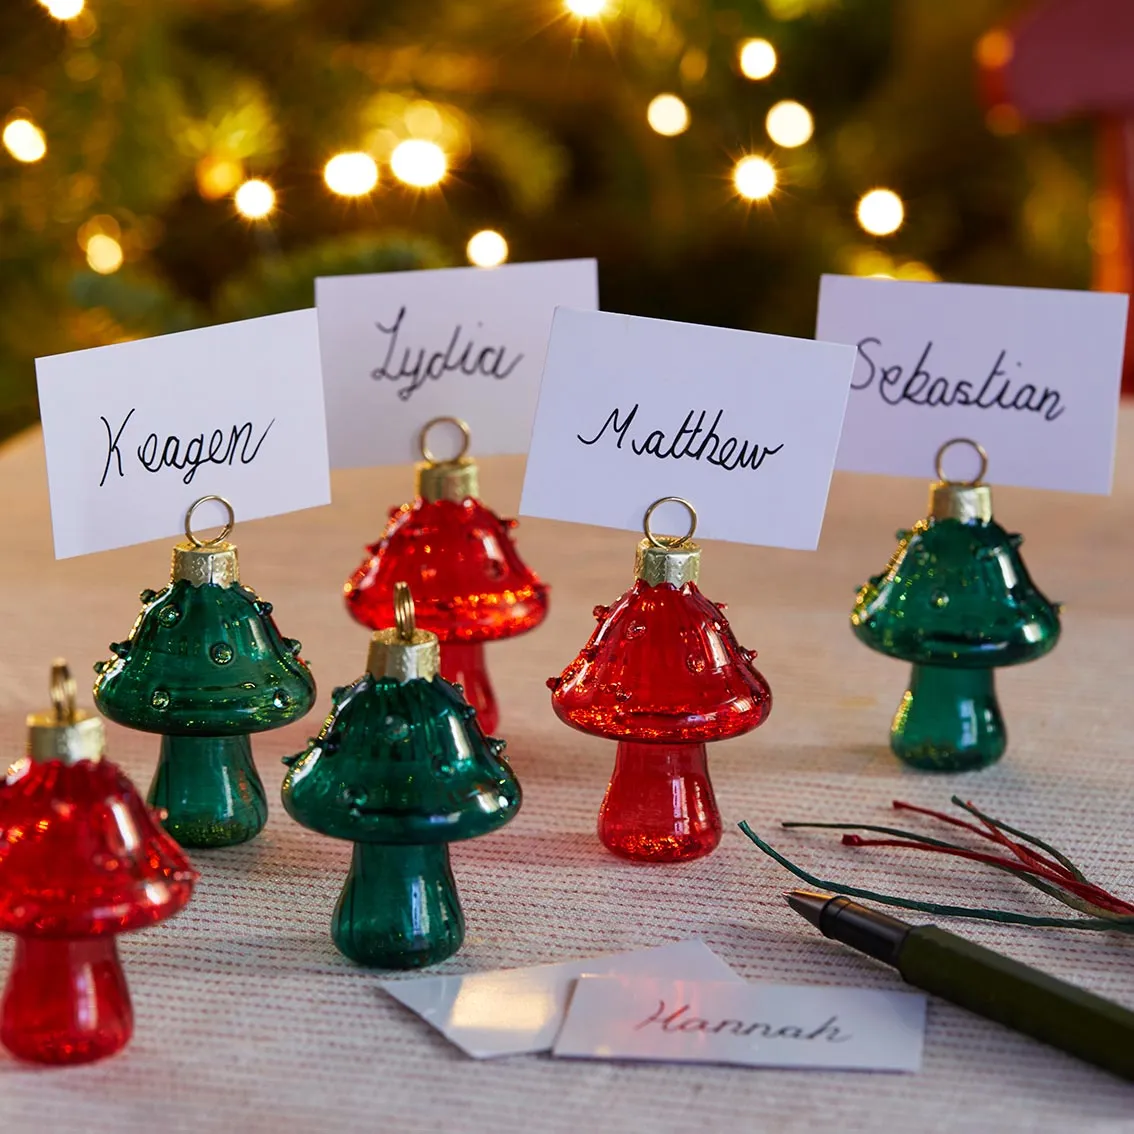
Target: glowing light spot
column 24, row 140
column 881, row 212
column 351, row 175
column 63, row 9
column 668, row 115
column 419, row 163
column 586, row 8
column 487, row 249
column 754, row 178
column 757, row 59
column 104, row 254
column 255, row 199
column 994, row 49
column 789, row 124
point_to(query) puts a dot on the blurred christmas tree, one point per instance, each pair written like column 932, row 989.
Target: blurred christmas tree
column 166, row 164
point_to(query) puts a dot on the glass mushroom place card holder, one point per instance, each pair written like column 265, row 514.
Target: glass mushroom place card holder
column 746, row 451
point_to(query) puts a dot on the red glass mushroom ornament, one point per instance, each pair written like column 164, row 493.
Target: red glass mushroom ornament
column 82, row 859
column 662, row 674
column 468, row 580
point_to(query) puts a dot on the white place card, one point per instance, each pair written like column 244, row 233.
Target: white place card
column 750, row 1025
column 1031, row 374
column 401, row 348
column 137, row 431
column 742, row 425
column 514, row 1011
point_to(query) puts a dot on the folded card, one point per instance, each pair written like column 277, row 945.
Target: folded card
column 401, row 348
column 751, row 1025
column 137, row 431
column 514, row 1011
column 1031, row 374
column 742, row 425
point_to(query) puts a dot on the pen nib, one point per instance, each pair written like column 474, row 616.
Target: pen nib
column 808, row 903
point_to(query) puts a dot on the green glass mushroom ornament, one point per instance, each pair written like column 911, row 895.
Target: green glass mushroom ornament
column 402, row 769
column 957, row 602
column 205, row 666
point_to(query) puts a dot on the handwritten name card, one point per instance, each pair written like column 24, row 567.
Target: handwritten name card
column 137, row 431
column 1031, row 374
column 512, row 1011
column 401, row 348
column 743, row 425
column 750, row 1025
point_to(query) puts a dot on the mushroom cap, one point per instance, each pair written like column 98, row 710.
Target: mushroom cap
column 401, row 763
column 204, row 661
column 82, row 855
column 468, row 581
column 956, row 593
column 662, row 665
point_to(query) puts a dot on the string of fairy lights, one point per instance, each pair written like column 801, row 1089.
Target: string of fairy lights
column 422, row 164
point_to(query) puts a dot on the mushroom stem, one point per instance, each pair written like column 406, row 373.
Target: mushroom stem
column 66, row 1000
column 210, row 790
column 659, row 805
column 462, row 663
column 399, row 908
column 949, row 720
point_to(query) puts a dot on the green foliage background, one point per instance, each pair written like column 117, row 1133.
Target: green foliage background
column 545, row 120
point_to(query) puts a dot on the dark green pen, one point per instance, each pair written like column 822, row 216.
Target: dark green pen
column 988, row 983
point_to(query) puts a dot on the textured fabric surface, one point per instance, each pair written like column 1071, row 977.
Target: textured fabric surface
column 247, row 1018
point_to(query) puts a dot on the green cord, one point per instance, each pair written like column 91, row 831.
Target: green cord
column 1006, row 917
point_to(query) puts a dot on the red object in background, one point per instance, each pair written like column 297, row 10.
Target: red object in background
column 468, row 582
column 81, row 859
column 1075, row 58
column 662, row 674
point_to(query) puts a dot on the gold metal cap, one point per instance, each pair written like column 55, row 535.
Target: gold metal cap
column 961, row 499
column 668, row 559
column 403, row 652
column 213, row 560
column 448, row 480
column 64, row 732
column 452, row 479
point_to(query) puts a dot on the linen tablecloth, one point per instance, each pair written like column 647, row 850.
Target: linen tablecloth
column 249, row 1020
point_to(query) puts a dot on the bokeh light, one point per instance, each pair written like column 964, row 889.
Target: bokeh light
column 881, row 212
column 757, row 59
column 351, row 175
column 995, row 49
column 668, row 115
column 754, row 178
column 585, row 8
column 24, row 140
column 419, row 163
column 789, row 124
column 104, row 253
column 255, row 199
column 487, row 249
column 63, row 9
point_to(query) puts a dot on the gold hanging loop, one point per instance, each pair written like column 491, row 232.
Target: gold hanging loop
column 63, row 692
column 423, row 439
column 225, row 532
column 669, row 541
column 405, row 621
column 976, row 447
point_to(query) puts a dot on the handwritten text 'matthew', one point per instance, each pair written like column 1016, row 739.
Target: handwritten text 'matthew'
column 691, row 440
column 418, row 365
column 921, row 388
column 186, row 454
